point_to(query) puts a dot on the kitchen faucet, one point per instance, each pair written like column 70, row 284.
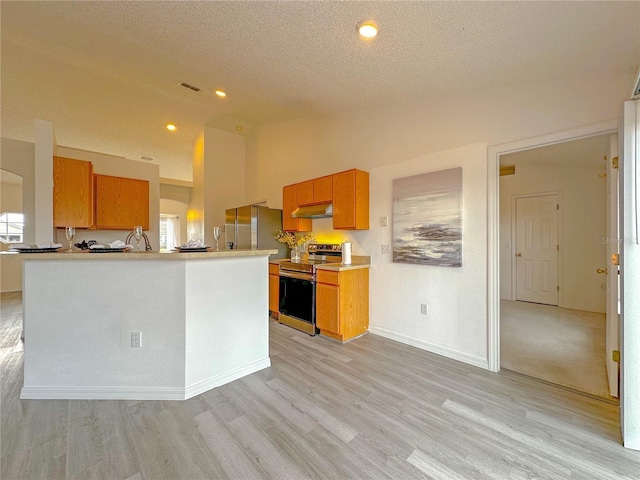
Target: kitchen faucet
column 147, row 244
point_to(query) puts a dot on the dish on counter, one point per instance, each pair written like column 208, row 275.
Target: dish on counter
column 191, row 249
column 35, row 249
column 107, row 250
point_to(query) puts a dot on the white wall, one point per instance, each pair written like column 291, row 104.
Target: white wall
column 282, row 153
column 224, row 176
column 195, row 215
column 420, row 138
column 19, row 157
column 104, row 164
column 218, row 180
column 582, row 229
column 43, row 181
column 10, row 265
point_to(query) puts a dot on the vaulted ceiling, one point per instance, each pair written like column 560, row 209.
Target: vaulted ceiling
column 107, row 73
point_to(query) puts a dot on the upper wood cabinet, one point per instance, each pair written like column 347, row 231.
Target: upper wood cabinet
column 304, row 193
column 318, row 190
column 289, row 204
column 323, row 189
column 349, row 192
column 351, row 200
column 121, row 203
column 72, row 193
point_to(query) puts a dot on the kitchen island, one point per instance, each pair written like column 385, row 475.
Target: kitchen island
column 142, row 326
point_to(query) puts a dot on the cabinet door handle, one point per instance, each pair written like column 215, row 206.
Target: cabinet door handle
column 518, row 254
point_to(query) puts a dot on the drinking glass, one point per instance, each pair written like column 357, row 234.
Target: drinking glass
column 70, row 232
column 216, row 235
column 137, row 233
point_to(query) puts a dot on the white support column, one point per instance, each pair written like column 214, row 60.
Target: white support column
column 44, row 145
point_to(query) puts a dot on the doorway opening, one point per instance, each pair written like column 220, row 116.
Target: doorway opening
column 553, row 262
column 11, row 230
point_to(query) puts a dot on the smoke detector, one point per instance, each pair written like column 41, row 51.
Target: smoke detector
column 146, row 158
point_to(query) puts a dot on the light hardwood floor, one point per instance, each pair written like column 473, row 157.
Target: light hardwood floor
column 372, row 408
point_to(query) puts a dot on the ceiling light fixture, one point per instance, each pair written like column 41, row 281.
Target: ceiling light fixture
column 171, row 127
column 367, row 28
column 220, row 93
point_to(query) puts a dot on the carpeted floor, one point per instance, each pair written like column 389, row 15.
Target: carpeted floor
column 558, row 345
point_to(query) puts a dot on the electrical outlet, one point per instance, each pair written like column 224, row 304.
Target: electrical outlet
column 384, row 221
column 386, row 249
column 136, row 339
column 423, row 309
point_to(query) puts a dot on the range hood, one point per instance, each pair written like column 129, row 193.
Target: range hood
column 323, row 210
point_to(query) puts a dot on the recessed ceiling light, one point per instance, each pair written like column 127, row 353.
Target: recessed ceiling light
column 171, row 126
column 239, row 128
column 367, row 28
column 220, row 93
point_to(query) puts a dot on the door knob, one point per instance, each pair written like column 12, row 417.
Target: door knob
column 518, row 254
column 605, row 271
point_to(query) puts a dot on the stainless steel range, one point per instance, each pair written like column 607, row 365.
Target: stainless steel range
column 298, row 287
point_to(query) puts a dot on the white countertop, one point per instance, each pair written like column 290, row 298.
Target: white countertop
column 87, row 255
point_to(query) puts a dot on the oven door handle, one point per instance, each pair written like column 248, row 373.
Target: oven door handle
column 299, row 276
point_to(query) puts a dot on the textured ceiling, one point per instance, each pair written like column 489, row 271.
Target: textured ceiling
column 106, row 73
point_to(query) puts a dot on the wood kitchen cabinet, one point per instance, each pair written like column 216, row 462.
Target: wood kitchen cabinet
column 323, row 189
column 318, row 190
column 121, row 203
column 348, row 191
column 351, row 200
column 289, row 204
column 304, row 193
column 72, row 193
column 274, row 288
column 342, row 303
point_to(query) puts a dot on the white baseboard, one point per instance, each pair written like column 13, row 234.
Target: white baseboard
column 139, row 393
column 101, row 393
column 430, row 347
column 208, row 384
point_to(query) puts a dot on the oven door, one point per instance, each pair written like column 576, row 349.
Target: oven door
column 298, row 302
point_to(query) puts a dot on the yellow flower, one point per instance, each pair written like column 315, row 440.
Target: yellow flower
column 292, row 239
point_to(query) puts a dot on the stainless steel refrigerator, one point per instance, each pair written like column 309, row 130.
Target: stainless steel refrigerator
column 254, row 227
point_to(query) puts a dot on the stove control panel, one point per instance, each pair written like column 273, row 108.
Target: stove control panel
column 325, row 248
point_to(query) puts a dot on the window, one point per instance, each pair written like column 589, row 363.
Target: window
column 11, row 227
column 169, row 232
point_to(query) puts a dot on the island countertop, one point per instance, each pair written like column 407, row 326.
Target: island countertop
column 87, row 255
column 142, row 326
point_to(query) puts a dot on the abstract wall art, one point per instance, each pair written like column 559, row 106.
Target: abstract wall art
column 427, row 218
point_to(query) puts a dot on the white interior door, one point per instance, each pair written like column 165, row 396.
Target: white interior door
column 613, row 279
column 537, row 249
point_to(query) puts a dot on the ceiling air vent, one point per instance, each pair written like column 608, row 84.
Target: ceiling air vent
column 192, row 87
column 146, row 158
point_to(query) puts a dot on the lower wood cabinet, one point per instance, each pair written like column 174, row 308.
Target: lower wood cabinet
column 342, row 303
column 274, row 288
